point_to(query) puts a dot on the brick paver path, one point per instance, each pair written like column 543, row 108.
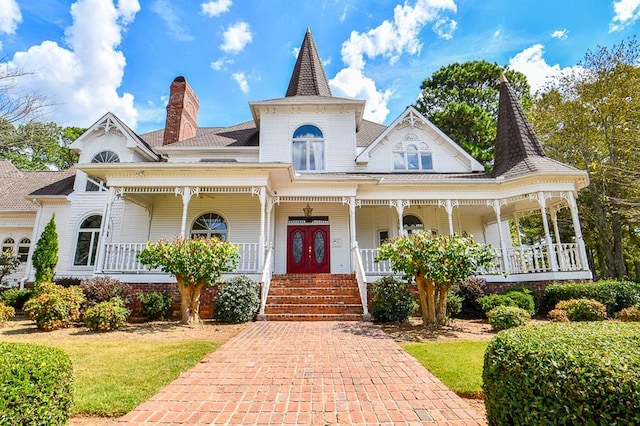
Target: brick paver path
column 307, row 373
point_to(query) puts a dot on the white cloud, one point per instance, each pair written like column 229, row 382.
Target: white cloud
column 221, row 63
column 626, row 12
column 169, row 15
column 10, row 16
column 561, row 34
column 531, row 63
column 236, row 37
column 241, row 79
column 215, row 8
column 390, row 40
column 82, row 80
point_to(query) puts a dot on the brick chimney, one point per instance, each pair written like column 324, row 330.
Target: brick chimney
column 182, row 112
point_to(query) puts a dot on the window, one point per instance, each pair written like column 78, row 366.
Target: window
column 412, row 158
column 95, row 184
column 308, row 148
column 23, row 249
column 411, row 224
column 87, row 244
column 105, row 157
column 383, row 236
column 209, row 225
column 7, row 244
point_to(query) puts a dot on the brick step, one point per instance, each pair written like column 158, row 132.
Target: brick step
column 315, row 317
column 324, row 308
column 313, row 283
column 314, row 291
column 307, row 299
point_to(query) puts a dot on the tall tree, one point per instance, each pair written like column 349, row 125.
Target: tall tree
column 461, row 99
column 590, row 119
column 45, row 255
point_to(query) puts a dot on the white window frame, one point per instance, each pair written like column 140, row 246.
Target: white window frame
column 412, row 148
column 94, row 242
column 309, row 148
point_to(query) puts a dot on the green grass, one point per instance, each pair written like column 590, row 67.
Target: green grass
column 458, row 364
column 112, row 378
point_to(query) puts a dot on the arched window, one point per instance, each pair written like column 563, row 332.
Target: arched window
column 23, row 249
column 8, row 244
column 412, row 158
column 105, row 157
column 308, row 148
column 209, row 225
column 87, row 244
column 411, row 224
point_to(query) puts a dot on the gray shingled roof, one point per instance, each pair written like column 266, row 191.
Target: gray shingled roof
column 16, row 185
column 308, row 77
column 518, row 150
column 368, row 132
column 240, row 135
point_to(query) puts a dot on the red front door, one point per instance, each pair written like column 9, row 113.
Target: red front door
column 308, row 249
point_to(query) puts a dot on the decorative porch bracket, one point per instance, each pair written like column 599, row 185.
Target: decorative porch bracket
column 400, row 205
column 448, row 206
column 186, row 192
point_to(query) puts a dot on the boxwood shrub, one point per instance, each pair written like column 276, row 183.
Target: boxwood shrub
column 156, row 305
column 564, row 374
column 504, row 317
column 238, row 300
column 35, row 383
column 106, row 316
column 392, row 300
column 520, row 299
column 614, row 295
column 583, row 310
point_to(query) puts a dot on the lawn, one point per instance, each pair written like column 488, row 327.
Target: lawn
column 458, row 364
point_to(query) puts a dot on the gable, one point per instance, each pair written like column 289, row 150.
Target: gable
column 422, row 147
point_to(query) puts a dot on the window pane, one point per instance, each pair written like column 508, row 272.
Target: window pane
column 308, row 132
column 300, row 155
column 316, row 156
column 398, row 161
column 82, row 249
column 297, row 247
column 412, row 161
column 427, row 163
column 92, row 222
column 93, row 249
column 318, row 245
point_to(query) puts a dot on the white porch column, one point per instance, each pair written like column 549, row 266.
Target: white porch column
column 187, row 192
column 448, row 206
column 573, row 206
column 271, row 201
column 547, row 235
column 104, row 230
column 516, row 222
column 503, row 245
column 554, row 221
column 261, row 244
column 352, row 220
column 400, row 206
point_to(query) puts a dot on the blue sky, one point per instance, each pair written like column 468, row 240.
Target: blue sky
column 94, row 56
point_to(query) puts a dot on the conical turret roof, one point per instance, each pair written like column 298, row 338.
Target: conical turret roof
column 308, row 77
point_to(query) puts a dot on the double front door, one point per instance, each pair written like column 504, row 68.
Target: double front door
column 308, row 249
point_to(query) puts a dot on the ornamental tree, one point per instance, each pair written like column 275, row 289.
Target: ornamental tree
column 435, row 263
column 196, row 263
column 45, row 255
column 9, row 262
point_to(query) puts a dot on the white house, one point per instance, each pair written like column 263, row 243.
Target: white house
column 307, row 186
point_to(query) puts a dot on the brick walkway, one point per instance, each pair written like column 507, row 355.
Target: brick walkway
column 307, row 373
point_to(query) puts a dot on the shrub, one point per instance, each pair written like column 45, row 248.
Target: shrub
column 509, row 298
column 471, row 290
column 558, row 315
column 504, row 317
column 67, row 281
column 36, row 383
column 564, row 374
column 238, row 300
column 631, row 314
column 54, row 307
column 156, row 305
column 454, row 304
column 615, row 295
column 6, row 312
column 392, row 300
column 583, row 310
column 106, row 316
column 45, row 255
column 15, row 297
column 103, row 289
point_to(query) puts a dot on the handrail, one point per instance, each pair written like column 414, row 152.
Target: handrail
column 266, row 278
column 362, row 280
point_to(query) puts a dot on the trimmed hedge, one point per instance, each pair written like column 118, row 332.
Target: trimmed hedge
column 582, row 310
column 156, row 305
column 564, row 374
column 504, row 317
column 36, row 385
column 615, row 295
column 106, row 316
column 238, row 300
column 392, row 300
column 520, row 299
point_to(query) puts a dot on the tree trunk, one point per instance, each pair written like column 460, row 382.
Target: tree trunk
column 441, row 314
column 189, row 300
column 422, row 296
column 618, row 246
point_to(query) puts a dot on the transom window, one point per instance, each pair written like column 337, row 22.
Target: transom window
column 209, row 225
column 7, row 244
column 23, row 249
column 308, row 148
column 105, row 157
column 87, row 243
column 412, row 158
column 412, row 224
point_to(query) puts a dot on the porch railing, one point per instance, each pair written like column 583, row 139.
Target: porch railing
column 123, row 258
column 522, row 260
column 361, row 278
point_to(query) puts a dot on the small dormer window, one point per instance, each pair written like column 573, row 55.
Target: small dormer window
column 105, row 157
column 308, row 148
column 412, row 157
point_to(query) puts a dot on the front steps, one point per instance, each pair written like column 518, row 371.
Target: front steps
column 313, row 297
